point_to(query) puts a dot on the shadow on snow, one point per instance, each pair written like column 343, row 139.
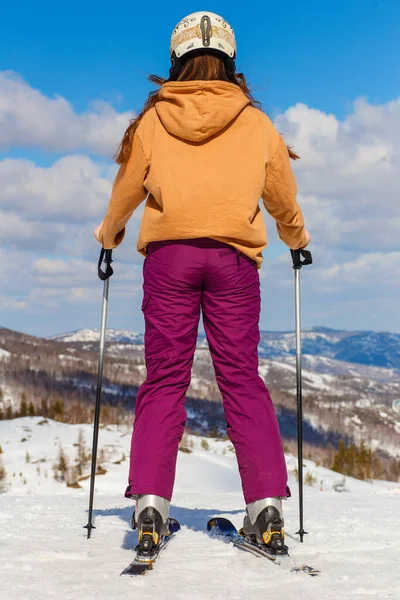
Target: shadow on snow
column 194, row 518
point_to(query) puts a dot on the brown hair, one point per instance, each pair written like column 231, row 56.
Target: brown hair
column 201, row 67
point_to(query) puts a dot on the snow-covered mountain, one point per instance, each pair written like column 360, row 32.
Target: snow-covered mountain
column 378, row 349
column 92, row 335
column 353, row 527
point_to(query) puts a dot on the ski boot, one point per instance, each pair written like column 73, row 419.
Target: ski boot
column 263, row 525
column 151, row 520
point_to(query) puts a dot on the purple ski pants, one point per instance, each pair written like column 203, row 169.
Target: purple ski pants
column 180, row 278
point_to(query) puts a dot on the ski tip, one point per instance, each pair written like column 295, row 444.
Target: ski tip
column 137, row 569
column 211, row 523
column 174, row 526
column 219, row 522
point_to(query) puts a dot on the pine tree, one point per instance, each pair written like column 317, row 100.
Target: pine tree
column 369, row 466
column 44, row 409
column 57, row 410
column 31, row 409
column 105, row 415
column 359, row 462
column 23, row 411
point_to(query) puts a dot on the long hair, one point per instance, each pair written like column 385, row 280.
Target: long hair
column 200, row 67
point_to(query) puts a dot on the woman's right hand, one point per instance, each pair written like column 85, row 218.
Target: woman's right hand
column 97, row 232
column 308, row 236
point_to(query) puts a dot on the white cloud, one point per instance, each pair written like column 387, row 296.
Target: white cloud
column 73, row 189
column 348, row 176
column 53, row 285
column 28, row 118
column 8, row 303
column 349, row 182
column 371, row 272
column 16, row 231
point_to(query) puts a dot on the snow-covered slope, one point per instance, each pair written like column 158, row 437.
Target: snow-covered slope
column 4, row 354
column 354, row 536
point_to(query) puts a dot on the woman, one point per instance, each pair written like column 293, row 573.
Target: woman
column 202, row 154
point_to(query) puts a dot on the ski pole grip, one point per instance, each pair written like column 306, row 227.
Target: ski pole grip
column 296, row 257
column 106, row 256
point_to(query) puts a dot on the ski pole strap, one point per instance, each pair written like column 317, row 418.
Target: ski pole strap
column 105, row 255
column 296, row 257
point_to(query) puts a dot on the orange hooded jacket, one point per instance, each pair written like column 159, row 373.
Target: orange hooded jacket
column 203, row 158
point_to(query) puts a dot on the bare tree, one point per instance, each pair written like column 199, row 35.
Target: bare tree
column 3, row 476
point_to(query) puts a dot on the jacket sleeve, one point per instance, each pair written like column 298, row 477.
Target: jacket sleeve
column 279, row 197
column 127, row 194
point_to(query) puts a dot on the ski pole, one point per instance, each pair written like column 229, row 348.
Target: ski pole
column 297, row 265
column 104, row 276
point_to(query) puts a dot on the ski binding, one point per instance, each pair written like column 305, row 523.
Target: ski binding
column 145, row 558
column 224, row 529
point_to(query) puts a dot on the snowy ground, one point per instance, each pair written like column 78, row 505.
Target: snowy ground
column 354, row 536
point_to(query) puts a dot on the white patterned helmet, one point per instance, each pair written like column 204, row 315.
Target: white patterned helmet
column 203, row 31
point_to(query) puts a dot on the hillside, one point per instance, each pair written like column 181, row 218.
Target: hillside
column 45, row 553
column 341, row 399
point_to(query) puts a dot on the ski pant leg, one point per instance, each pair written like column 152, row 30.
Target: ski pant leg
column 231, row 309
column 171, row 307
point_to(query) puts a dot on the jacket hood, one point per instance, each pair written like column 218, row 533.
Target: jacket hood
column 197, row 110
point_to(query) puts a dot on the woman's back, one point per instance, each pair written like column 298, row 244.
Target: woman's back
column 204, row 154
column 207, row 150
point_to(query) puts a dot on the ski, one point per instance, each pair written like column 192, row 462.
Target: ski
column 144, row 561
column 225, row 530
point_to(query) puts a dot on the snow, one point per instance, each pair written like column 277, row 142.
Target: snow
column 7, row 397
column 356, row 420
column 4, row 354
column 354, row 536
column 318, row 381
column 93, row 335
column 66, row 357
column 118, row 348
column 363, row 403
column 316, row 422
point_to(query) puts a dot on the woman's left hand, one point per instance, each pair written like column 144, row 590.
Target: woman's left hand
column 97, row 232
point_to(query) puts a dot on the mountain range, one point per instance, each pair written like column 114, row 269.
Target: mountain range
column 341, row 399
column 376, row 349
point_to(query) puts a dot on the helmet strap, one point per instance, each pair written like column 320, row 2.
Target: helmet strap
column 176, row 67
column 230, row 67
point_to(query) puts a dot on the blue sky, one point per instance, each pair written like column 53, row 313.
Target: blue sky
column 323, row 55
